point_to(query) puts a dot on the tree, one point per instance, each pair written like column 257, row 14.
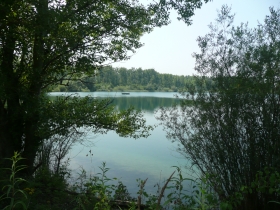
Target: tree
column 49, row 42
column 231, row 129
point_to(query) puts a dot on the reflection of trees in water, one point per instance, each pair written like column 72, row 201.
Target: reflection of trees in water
column 148, row 104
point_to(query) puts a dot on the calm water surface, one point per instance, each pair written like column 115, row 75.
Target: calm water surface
column 127, row 158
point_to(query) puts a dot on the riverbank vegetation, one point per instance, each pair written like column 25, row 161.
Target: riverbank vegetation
column 230, row 133
column 122, row 79
column 45, row 43
column 232, row 130
column 50, row 190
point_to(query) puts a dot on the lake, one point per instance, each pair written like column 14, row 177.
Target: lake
column 127, row 158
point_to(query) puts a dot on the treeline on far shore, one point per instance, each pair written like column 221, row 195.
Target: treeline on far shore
column 122, row 79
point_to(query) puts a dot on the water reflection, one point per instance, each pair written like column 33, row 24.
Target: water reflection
column 129, row 159
column 145, row 101
column 146, row 104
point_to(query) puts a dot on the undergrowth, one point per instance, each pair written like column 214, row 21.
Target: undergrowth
column 47, row 190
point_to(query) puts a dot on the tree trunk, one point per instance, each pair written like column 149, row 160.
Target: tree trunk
column 20, row 102
column 11, row 125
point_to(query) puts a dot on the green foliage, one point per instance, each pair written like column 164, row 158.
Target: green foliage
column 178, row 194
column 48, row 43
column 99, row 191
column 14, row 195
column 99, row 187
column 199, row 197
column 232, row 130
column 121, row 193
column 48, row 190
column 122, row 79
column 266, row 184
column 68, row 114
column 51, row 191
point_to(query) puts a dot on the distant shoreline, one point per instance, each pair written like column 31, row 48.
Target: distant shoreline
column 120, row 91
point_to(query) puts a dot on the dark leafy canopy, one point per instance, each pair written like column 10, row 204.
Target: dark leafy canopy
column 232, row 131
column 48, row 42
column 99, row 115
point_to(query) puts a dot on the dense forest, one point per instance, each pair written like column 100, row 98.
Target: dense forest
column 121, row 79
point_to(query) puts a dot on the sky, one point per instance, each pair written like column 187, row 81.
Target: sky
column 169, row 49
